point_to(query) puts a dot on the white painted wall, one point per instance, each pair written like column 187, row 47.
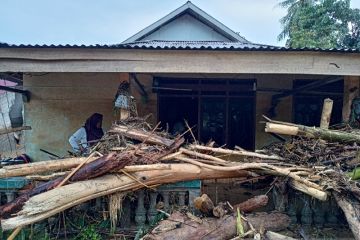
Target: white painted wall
column 186, row 28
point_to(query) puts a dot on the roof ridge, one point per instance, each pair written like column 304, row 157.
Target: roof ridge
column 188, row 7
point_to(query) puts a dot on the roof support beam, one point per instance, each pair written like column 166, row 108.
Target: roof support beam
column 277, row 97
column 10, row 78
column 177, row 61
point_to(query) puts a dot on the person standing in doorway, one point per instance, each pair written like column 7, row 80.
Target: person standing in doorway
column 88, row 135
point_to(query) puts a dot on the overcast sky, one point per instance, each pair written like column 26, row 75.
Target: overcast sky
column 112, row 21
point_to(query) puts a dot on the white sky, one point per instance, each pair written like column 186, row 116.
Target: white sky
column 112, row 21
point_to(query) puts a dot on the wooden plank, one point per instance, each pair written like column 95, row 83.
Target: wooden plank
column 172, row 61
column 351, row 91
column 11, row 130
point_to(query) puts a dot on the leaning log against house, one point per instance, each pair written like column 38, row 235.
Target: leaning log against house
column 52, row 202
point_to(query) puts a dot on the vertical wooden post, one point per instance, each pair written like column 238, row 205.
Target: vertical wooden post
column 326, row 113
column 351, row 91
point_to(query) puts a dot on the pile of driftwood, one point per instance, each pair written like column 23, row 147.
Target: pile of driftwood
column 133, row 155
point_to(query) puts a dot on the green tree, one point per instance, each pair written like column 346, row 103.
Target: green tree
column 320, row 23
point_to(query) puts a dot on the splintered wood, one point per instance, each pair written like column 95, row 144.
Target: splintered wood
column 136, row 155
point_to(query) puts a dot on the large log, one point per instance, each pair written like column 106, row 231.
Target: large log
column 31, row 169
column 311, row 132
column 94, row 169
column 52, row 202
column 213, row 228
column 252, row 203
column 351, row 212
column 40, row 167
column 142, row 136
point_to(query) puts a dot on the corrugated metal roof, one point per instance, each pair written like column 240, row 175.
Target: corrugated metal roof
column 186, row 45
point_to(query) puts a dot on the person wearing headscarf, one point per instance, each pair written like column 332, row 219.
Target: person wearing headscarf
column 87, row 135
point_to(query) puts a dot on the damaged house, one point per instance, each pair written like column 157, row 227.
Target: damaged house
column 187, row 65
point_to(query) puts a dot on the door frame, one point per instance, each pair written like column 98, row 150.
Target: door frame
column 199, row 90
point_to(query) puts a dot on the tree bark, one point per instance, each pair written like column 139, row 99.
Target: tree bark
column 142, row 136
column 204, row 204
column 216, row 229
column 52, row 202
column 30, row 169
column 94, row 169
column 351, row 212
column 276, row 236
column 252, row 203
column 40, row 167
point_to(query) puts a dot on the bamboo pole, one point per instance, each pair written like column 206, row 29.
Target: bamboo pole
column 201, row 155
column 235, row 152
column 312, row 132
column 326, row 113
column 321, row 195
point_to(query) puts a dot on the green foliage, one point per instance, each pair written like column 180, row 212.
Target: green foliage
column 143, row 230
column 239, row 227
column 88, row 233
column 320, row 23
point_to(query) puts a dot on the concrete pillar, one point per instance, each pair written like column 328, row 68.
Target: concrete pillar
column 152, row 209
column 140, row 212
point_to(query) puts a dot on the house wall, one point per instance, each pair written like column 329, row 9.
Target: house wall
column 186, row 28
column 60, row 103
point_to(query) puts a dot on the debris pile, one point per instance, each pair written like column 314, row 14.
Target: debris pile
column 132, row 155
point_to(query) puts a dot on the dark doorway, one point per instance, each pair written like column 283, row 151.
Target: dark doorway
column 308, row 105
column 174, row 110
column 223, row 110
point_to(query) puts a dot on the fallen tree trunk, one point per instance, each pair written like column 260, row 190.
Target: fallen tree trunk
column 142, row 136
column 351, row 212
column 215, row 229
column 312, row 132
column 94, row 169
column 52, row 202
column 252, row 203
